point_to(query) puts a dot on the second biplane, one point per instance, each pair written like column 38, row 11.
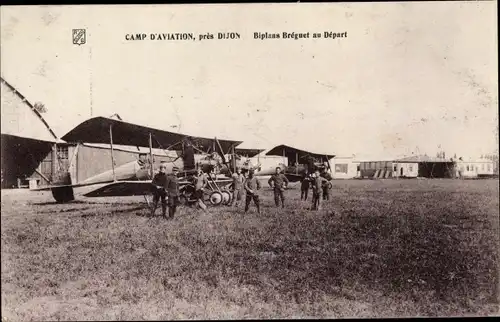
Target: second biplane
column 299, row 160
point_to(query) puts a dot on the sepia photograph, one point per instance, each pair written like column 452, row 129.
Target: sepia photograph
column 249, row 161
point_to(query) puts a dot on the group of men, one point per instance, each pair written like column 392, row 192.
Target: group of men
column 166, row 185
column 321, row 186
column 167, row 188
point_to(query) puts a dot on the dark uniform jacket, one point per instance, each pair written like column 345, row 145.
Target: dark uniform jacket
column 305, row 181
column 327, row 177
column 160, row 179
column 172, row 185
column 278, row 180
column 252, row 184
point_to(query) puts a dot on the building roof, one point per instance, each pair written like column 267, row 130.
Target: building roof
column 423, row 158
column 248, row 152
column 20, row 118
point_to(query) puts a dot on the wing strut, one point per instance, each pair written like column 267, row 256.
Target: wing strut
column 234, row 160
column 112, row 156
column 151, row 167
column 223, row 157
column 328, row 161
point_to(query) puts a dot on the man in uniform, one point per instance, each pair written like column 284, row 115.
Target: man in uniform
column 159, row 191
column 200, row 183
column 252, row 185
column 304, row 185
column 188, row 155
column 326, row 184
column 310, row 164
column 172, row 188
column 238, row 180
column 278, row 182
column 317, row 183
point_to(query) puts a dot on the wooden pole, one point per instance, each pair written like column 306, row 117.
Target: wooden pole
column 234, row 159
column 151, row 168
column 296, row 163
column 112, row 156
column 54, row 163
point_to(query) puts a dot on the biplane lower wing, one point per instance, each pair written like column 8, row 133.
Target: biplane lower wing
column 122, row 189
column 48, row 188
column 134, row 188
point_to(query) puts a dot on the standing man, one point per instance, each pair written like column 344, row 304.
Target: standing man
column 252, row 185
column 304, row 185
column 317, row 189
column 159, row 191
column 278, row 182
column 238, row 181
column 172, row 188
column 188, row 155
column 200, row 183
column 310, row 164
column 326, row 184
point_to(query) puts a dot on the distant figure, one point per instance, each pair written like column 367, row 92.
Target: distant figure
column 237, row 185
column 304, row 185
column 200, row 183
column 317, row 189
column 326, row 184
column 172, row 187
column 278, row 182
column 159, row 182
column 212, row 174
column 143, row 160
column 252, row 186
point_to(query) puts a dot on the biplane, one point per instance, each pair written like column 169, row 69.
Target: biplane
column 135, row 178
column 300, row 160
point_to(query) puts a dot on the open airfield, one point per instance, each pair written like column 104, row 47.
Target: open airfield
column 379, row 248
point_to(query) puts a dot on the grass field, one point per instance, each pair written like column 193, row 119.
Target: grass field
column 378, row 249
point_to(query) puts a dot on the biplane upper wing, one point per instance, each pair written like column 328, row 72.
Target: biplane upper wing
column 97, row 130
column 250, row 153
column 290, row 153
column 132, row 188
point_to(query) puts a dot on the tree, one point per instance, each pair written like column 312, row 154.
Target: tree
column 40, row 107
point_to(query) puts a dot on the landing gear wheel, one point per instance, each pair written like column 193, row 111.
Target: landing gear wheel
column 63, row 194
column 226, row 197
column 215, row 198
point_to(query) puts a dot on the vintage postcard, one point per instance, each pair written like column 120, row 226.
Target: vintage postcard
column 249, row 161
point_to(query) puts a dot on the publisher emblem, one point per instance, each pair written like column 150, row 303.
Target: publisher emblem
column 79, row 36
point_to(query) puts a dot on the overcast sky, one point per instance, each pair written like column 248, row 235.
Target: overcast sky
column 408, row 76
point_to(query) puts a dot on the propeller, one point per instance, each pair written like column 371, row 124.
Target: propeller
column 221, row 153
